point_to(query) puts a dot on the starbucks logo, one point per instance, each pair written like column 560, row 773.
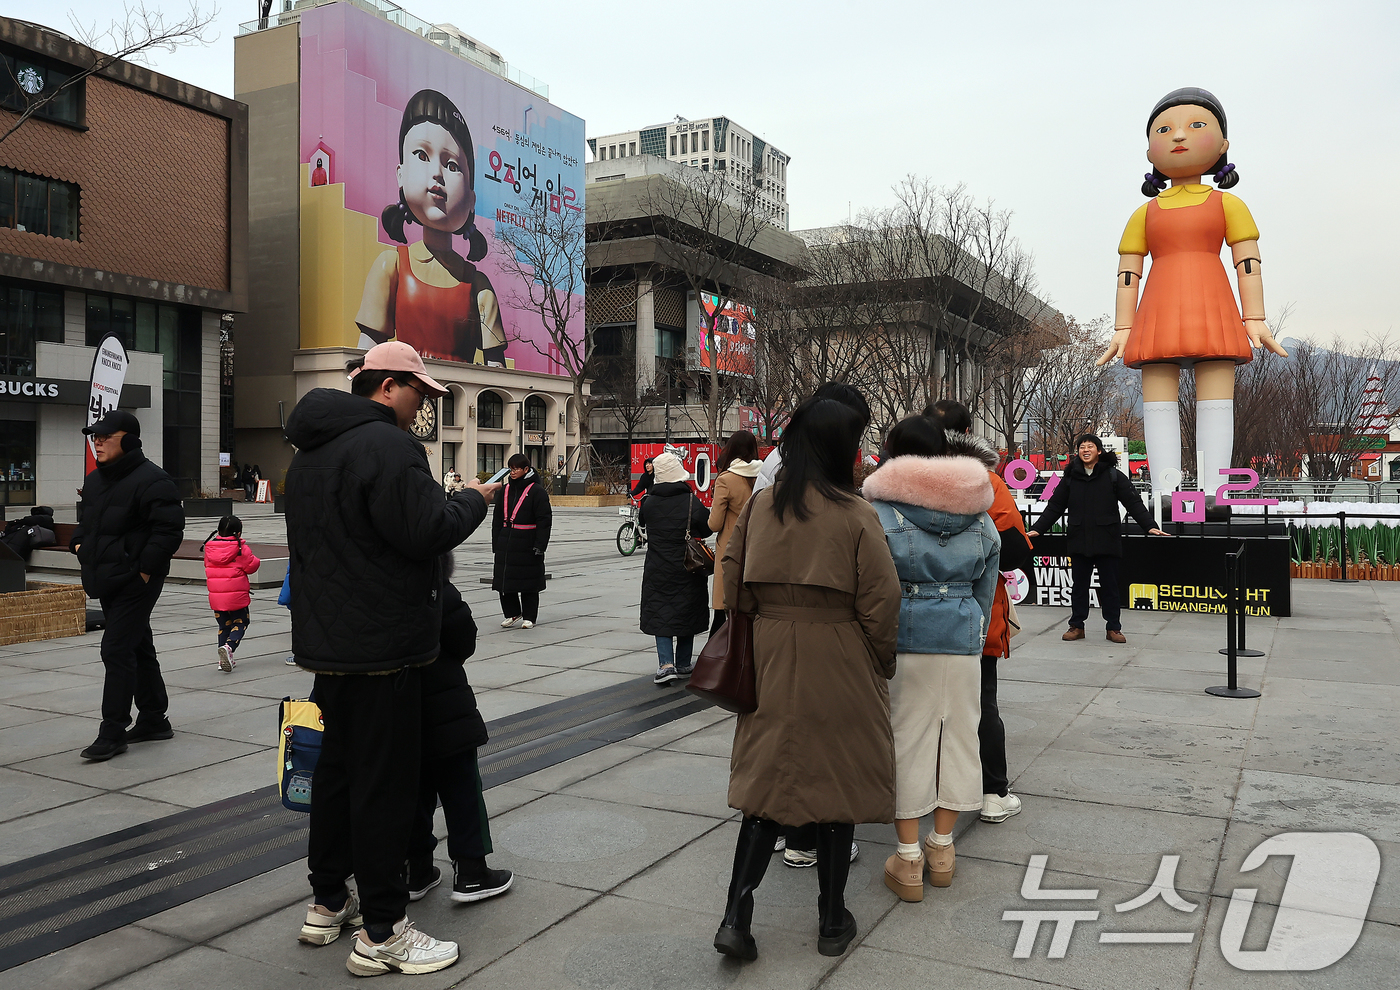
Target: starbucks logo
column 30, row 81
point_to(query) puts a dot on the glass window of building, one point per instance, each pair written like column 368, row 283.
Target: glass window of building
column 449, row 410
column 673, row 146
column 685, row 144
column 490, row 457
column 631, row 148
column 27, row 316
column 449, row 457
column 535, row 413
column 670, row 343
column 24, row 81
column 704, row 140
column 37, row 205
column 491, row 411
column 18, row 449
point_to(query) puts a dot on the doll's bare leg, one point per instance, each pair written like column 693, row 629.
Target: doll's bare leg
column 1215, row 420
column 1161, row 423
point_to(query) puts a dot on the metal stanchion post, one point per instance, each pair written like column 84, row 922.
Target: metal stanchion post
column 1241, row 597
column 1343, row 554
column 1232, row 689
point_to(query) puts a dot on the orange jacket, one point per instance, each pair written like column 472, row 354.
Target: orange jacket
column 1015, row 553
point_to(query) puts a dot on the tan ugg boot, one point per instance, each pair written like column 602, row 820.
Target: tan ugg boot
column 905, row 877
column 942, row 863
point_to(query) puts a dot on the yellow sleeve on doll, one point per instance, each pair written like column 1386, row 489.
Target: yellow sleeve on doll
column 1239, row 225
column 1135, row 234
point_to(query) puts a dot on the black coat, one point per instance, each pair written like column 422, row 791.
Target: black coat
column 132, row 524
column 675, row 602
column 33, row 531
column 519, row 552
column 451, row 721
column 366, row 523
column 1092, row 500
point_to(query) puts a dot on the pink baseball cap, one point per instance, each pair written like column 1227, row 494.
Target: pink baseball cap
column 395, row 355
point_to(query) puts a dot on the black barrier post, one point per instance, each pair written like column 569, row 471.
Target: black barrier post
column 1241, row 597
column 1232, row 689
column 1343, row 554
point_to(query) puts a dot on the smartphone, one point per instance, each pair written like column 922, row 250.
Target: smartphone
column 498, row 476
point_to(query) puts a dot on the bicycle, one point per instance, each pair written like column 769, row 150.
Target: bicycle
column 631, row 534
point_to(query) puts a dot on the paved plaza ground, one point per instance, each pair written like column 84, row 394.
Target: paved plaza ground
column 622, row 855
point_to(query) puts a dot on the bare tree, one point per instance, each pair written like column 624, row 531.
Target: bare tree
column 1015, row 373
column 1074, row 392
column 140, row 31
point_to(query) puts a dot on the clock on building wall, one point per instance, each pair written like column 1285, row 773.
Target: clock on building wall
column 30, row 81
column 425, row 424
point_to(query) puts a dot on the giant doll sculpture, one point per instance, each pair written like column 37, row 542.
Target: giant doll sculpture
column 426, row 294
column 1187, row 316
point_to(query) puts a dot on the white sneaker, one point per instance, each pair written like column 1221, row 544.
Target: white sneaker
column 509, row 621
column 408, row 951
column 802, row 858
column 996, row 808
column 226, row 661
column 323, row 929
column 527, row 624
column 781, row 844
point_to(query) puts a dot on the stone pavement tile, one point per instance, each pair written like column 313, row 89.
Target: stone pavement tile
column 1134, row 677
column 1092, row 649
column 591, row 844
column 215, row 782
column 1181, row 706
column 570, row 683
column 12, row 715
column 212, row 969
column 696, row 877
column 1090, row 673
column 258, row 725
column 1300, row 802
column 25, row 793
column 266, row 680
column 1296, row 691
column 620, row 944
column 87, row 819
column 501, row 673
column 715, row 740
column 1206, row 661
column 684, row 726
column 1371, row 964
column 1278, row 717
column 75, row 654
column 1039, row 694
column 567, row 655
column 25, row 683
column 214, row 914
column 963, row 924
column 1269, row 878
column 67, row 734
column 81, row 698
column 505, row 797
column 94, row 962
column 1137, row 782
column 1285, row 625
column 1333, row 754
column 141, row 762
column 1164, row 740
column 571, row 771
column 494, row 703
column 866, row 968
column 1366, row 668
column 638, row 663
column 628, row 639
column 1306, row 644
column 697, row 785
column 1116, row 843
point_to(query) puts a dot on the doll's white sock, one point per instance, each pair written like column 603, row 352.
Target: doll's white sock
column 1215, row 440
column 1161, row 426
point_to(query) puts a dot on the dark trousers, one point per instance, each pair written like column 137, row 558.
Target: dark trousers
column 526, row 603
column 365, row 789
column 129, row 655
column 1082, row 569
column 232, row 626
column 802, row 837
column 991, row 733
column 456, row 779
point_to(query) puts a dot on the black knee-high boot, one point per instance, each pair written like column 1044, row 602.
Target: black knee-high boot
column 751, row 855
column 838, row 926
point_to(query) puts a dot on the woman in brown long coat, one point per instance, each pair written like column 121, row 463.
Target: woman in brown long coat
column 738, row 466
column 821, row 586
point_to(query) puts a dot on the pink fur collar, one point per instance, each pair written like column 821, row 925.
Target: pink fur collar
column 943, row 484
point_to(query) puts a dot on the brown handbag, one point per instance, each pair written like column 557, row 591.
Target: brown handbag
column 699, row 558
column 724, row 672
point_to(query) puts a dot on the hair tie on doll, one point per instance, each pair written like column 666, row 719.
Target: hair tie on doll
column 1157, row 183
column 1220, row 176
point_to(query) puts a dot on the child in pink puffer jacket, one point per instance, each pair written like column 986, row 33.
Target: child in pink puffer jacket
column 227, row 563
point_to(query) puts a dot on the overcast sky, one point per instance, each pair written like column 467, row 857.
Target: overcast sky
column 1040, row 106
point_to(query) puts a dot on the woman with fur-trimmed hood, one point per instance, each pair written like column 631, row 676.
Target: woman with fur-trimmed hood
column 932, row 494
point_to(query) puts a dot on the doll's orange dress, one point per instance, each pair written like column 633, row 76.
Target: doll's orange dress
column 1188, row 311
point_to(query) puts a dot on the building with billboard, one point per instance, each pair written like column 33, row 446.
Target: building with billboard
column 123, row 208
column 710, row 143
column 387, row 157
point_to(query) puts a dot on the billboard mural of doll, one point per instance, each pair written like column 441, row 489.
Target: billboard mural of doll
column 427, row 294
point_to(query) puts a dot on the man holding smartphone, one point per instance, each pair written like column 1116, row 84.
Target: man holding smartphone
column 366, row 525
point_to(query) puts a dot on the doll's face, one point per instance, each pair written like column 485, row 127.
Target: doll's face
column 1185, row 141
column 434, row 177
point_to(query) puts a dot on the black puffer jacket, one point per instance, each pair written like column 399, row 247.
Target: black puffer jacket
column 451, row 722
column 30, row 533
column 520, row 547
column 675, row 602
column 132, row 524
column 366, row 523
column 1093, row 528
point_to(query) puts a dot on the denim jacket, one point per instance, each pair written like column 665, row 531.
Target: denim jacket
column 945, row 548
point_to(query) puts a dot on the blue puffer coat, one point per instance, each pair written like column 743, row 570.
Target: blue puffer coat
column 945, row 548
